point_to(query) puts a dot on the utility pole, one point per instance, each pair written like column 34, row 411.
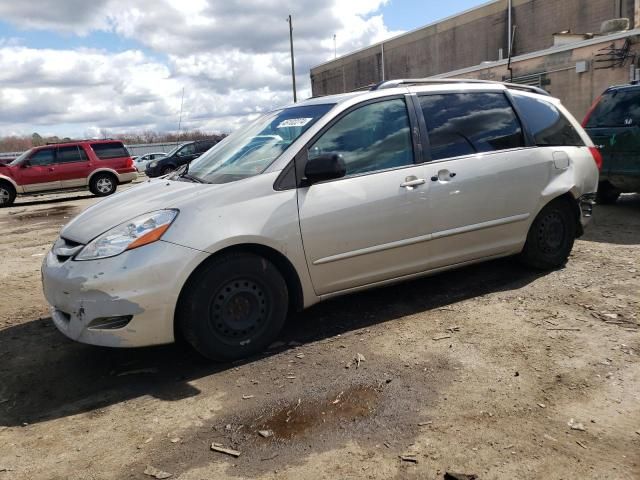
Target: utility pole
column 335, row 48
column 293, row 65
column 180, row 119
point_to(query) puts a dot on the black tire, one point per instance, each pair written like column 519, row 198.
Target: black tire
column 234, row 307
column 551, row 236
column 7, row 194
column 607, row 194
column 103, row 184
column 166, row 170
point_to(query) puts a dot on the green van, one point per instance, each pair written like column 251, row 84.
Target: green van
column 613, row 123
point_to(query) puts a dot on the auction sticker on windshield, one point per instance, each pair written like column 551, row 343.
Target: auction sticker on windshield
column 294, row 122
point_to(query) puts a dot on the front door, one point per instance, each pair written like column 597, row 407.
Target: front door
column 38, row 172
column 369, row 226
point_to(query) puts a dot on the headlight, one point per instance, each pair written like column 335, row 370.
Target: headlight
column 142, row 230
column 153, row 164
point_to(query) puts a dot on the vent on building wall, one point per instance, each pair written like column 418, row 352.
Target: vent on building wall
column 539, row 80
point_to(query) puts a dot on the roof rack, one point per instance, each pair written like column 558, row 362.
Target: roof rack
column 63, row 141
column 445, row 81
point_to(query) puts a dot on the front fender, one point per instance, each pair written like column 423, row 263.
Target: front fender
column 18, row 188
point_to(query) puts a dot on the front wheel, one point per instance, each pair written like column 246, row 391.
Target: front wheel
column 103, row 184
column 234, row 307
column 7, row 194
column 551, row 236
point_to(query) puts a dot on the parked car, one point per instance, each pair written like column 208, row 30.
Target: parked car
column 142, row 161
column 181, row 155
column 99, row 165
column 340, row 194
column 613, row 123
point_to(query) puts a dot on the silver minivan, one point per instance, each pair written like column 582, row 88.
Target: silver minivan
column 322, row 198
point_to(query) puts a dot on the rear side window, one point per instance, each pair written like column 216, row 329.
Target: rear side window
column 619, row 108
column 71, row 154
column 467, row 123
column 104, row 151
column 548, row 125
column 373, row 137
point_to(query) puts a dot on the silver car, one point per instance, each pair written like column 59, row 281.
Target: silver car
column 323, row 198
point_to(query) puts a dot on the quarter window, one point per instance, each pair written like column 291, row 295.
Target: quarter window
column 467, row 123
column 548, row 125
column 373, row 137
column 104, row 151
column 71, row 154
column 42, row 157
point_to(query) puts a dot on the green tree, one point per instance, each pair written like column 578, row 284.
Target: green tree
column 37, row 140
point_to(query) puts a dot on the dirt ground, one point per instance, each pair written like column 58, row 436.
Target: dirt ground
column 479, row 371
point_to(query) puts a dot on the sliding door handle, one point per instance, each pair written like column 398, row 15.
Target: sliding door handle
column 412, row 182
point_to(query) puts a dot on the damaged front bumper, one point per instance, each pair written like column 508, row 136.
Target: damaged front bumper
column 124, row 301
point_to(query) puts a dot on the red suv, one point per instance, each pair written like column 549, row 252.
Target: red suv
column 99, row 165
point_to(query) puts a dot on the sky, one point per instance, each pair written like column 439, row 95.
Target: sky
column 92, row 68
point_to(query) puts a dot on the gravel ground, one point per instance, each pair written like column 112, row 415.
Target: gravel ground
column 491, row 370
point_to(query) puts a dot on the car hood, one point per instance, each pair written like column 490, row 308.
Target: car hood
column 158, row 194
column 147, row 197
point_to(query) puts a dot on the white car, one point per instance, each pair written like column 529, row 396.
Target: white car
column 142, row 161
column 323, row 198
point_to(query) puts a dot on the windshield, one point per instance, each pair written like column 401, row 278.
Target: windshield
column 174, row 150
column 21, row 157
column 250, row 150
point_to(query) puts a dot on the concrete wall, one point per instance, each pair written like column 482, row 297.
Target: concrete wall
column 466, row 40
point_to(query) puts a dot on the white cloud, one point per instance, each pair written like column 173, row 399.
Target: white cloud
column 232, row 59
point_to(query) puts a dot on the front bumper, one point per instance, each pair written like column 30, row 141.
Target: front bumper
column 124, row 301
column 152, row 172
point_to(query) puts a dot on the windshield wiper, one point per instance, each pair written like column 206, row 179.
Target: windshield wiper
column 193, row 178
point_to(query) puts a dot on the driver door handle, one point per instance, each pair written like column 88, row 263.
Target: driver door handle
column 411, row 182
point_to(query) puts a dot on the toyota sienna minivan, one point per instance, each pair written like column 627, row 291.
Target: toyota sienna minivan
column 323, row 198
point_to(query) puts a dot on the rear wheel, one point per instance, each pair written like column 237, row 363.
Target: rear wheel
column 607, row 194
column 551, row 236
column 234, row 307
column 7, row 194
column 103, row 184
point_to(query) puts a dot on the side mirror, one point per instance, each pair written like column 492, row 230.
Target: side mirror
column 25, row 164
column 324, row 167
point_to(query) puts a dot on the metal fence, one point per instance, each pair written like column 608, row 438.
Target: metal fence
column 144, row 148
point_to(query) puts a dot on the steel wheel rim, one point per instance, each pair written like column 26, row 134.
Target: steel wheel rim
column 4, row 196
column 239, row 310
column 104, row 185
column 552, row 233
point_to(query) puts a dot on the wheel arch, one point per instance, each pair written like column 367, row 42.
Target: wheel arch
column 103, row 170
column 571, row 197
column 281, row 262
column 10, row 181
